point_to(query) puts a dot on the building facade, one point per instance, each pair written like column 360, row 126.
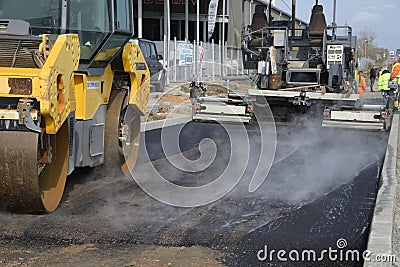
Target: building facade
column 237, row 14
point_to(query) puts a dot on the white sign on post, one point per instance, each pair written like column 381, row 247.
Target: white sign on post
column 185, row 52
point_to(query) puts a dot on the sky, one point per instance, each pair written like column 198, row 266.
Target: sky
column 379, row 16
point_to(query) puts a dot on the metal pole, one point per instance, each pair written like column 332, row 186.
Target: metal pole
column 237, row 61
column 198, row 36
column 270, row 12
column 334, row 21
column 187, row 20
column 227, row 7
column 231, row 61
column 186, row 65
column 250, row 12
column 194, row 57
column 198, row 21
column 293, row 17
column 220, row 55
column 140, row 18
column 166, row 17
column 165, row 51
column 334, row 13
column 223, row 37
column 167, row 32
column 166, row 59
column 201, row 48
column 205, row 31
column 243, row 23
column 175, row 59
column 168, row 23
column 225, row 55
column 213, row 58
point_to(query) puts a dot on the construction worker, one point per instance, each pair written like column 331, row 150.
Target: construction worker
column 383, row 84
column 362, row 85
column 384, row 67
column 396, row 71
column 395, row 76
column 372, row 77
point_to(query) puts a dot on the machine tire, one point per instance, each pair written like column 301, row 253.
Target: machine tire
column 28, row 185
column 117, row 130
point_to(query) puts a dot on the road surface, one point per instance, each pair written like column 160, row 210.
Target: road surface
column 321, row 188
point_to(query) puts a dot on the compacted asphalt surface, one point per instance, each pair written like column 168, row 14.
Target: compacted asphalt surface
column 321, row 189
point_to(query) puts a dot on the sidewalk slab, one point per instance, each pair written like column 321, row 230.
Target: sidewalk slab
column 383, row 234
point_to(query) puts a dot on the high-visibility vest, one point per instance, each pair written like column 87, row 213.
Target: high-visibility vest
column 383, row 82
column 398, row 75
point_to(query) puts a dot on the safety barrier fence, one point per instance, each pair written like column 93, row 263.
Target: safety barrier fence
column 203, row 60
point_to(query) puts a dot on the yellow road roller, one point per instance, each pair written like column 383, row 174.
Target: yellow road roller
column 73, row 85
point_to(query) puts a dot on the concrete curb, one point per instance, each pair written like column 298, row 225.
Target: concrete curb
column 152, row 125
column 380, row 237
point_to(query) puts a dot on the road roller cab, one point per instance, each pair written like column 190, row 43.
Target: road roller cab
column 72, row 90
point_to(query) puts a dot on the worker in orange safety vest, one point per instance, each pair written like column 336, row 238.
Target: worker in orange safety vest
column 395, row 75
column 396, row 71
column 362, row 85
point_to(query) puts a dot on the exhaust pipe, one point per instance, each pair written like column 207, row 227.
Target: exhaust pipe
column 293, row 17
column 334, row 21
column 334, row 13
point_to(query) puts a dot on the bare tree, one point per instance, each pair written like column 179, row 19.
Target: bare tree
column 366, row 42
column 368, row 35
